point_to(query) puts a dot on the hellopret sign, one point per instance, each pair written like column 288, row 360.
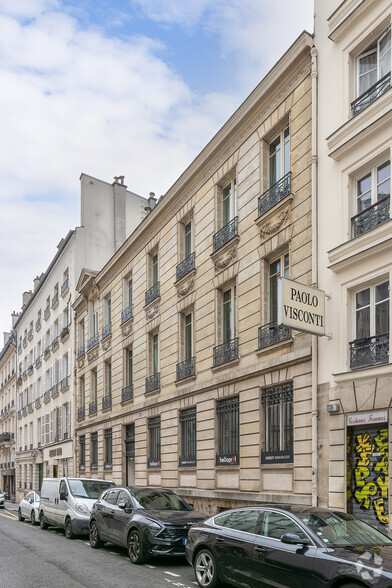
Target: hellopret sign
column 301, row 307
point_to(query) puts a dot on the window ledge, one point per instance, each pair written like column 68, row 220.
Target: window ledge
column 185, row 380
column 277, row 466
column 384, row 369
column 218, row 368
column 152, row 392
column 342, row 19
column 279, row 345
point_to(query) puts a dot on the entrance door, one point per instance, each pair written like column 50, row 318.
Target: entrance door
column 40, row 474
column 367, row 474
column 130, row 454
column 55, row 471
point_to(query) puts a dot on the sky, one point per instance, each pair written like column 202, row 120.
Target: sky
column 115, row 87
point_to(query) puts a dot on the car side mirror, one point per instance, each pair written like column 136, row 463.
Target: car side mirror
column 294, row 539
column 125, row 506
column 63, row 495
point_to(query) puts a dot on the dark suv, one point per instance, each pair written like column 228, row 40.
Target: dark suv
column 147, row 521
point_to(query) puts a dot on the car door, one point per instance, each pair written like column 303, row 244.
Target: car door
column 105, row 510
column 24, row 505
column 120, row 519
column 233, row 546
column 279, row 564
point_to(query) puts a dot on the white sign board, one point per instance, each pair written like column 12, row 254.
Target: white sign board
column 301, row 307
column 367, row 418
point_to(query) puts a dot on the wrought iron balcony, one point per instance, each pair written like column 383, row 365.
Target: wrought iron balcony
column 30, row 370
column 92, row 342
column 80, row 352
column 64, row 287
column 55, row 343
column 225, row 234
column 369, row 351
column 47, row 396
column 186, row 369
column 37, row 402
column 271, row 333
column 127, row 393
column 225, row 352
column 106, row 330
column 47, row 312
column 185, row 267
column 81, row 413
column 371, row 217
column 275, row 194
column 153, row 382
column 5, row 437
column 127, row 314
column 24, row 411
column 152, row 294
column 24, row 343
column 92, row 407
column 38, row 361
column 38, row 324
column 30, row 407
column 106, row 401
column 371, row 94
column 55, row 299
column 55, row 390
column 30, row 335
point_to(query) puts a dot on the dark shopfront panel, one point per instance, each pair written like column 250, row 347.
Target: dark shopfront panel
column 367, row 474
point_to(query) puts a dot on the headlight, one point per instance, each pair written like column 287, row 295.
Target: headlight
column 82, row 508
column 154, row 529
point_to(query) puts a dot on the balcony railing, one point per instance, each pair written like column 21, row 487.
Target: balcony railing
column 185, row 266
column 127, row 314
column 55, row 299
column 47, row 312
column 106, row 330
column 225, row 234
column 127, row 393
column 30, row 335
column 24, row 343
column 64, row 384
column 371, row 94
column 226, row 352
column 47, row 396
column 55, row 343
column 271, row 333
column 24, row 411
column 152, row 294
column 92, row 407
column 369, row 351
column 37, row 402
column 371, row 217
column 55, row 390
column 81, row 413
column 275, row 194
column 64, row 287
column 30, row 407
column 92, row 342
column 38, row 361
column 153, row 383
column 80, row 352
column 186, row 369
column 5, row 437
column 38, row 324
column 106, row 401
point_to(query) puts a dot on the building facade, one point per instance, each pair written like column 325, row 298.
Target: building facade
column 43, row 331
column 7, row 415
column 184, row 379
column 353, row 40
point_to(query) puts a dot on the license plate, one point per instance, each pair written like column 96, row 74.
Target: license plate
column 184, row 541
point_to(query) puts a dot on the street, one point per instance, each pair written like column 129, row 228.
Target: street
column 33, row 558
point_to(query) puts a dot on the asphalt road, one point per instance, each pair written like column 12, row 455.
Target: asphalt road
column 33, row 558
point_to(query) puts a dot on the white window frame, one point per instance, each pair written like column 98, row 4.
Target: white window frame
column 366, row 53
column 372, row 306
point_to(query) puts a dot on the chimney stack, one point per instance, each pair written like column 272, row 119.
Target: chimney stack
column 26, row 297
column 14, row 317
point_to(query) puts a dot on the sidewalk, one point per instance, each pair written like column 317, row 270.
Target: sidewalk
column 13, row 507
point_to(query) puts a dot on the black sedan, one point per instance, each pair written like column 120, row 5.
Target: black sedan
column 147, row 521
column 293, row 547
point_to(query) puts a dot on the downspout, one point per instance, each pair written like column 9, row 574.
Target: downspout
column 314, row 74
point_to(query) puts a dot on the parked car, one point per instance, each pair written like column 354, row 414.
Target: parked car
column 67, row 503
column 29, row 507
column 147, row 521
column 2, row 498
column 296, row 547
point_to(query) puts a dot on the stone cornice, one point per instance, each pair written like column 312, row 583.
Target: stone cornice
column 357, row 250
column 345, row 16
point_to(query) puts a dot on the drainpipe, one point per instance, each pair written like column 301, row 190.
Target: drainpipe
column 314, row 276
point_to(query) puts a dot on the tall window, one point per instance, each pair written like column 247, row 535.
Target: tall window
column 155, row 354
column 229, row 202
column 229, row 314
column 129, row 367
column 374, row 186
column 154, row 429
column 94, row 451
column 82, row 391
column 82, row 452
column 228, row 413
column 154, row 269
column 188, row 437
column 129, row 292
column 108, row 448
column 108, row 378
column 93, row 314
column 374, row 63
column 279, row 157
column 188, row 336
column 278, row 411
column 278, row 268
column 94, row 386
column 372, row 311
column 187, row 239
column 107, row 309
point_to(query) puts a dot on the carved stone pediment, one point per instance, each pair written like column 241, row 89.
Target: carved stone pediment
column 127, row 328
column 107, row 343
column 275, row 220
column 185, row 287
column 225, row 258
column 93, row 354
column 80, row 362
column 152, row 311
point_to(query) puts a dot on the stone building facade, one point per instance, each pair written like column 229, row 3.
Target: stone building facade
column 353, row 40
column 184, row 380
column 7, row 415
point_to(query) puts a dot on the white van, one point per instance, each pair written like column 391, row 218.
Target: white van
column 67, row 503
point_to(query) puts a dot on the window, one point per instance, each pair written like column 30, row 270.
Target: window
column 278, row 268
column 153, row 380
column 129, row 291
column 188, row 239
column 229, row 202
column 228, row 413
column 129, row 367
column 108, row 448
column 152, row 278
column 229, row 312
column 154, row 429
column 155, row 353
column 154, row 269
column 107, row 310
column 276, row 524
column 94, row 451
column 373, row 192
column 374, row 63
column 93, row 316
column 243, row 520
column 187, row 321
column 279, row 157
column 127, row 311
column 278, row 413
column 82, row 452
column 188, row 437
column 108, row 378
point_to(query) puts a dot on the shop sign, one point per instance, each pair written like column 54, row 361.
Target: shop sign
column 227, row 460
column 187, row 462
column 367, row 418
column 274, row 457
column 301, row 307
column 154, row 463
column 6, row 472
column 54, row 452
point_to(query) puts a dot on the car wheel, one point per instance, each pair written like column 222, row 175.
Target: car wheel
column 32, row 517
column 42, row 523
column 136, row 548
column 68, row 529
column 20, row 518
column 205, row 569
column 95, row 540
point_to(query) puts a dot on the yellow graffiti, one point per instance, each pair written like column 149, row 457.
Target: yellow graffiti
column 379, row 506
column 363, row 495
column 364, row 448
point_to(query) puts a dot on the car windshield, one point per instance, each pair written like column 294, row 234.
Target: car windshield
column 337, row 529
column 159, row 500
column 88, row 488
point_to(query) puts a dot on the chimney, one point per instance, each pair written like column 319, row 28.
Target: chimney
column 14, row 317
column 36, row 282
column 152, row 201
column 26, row 297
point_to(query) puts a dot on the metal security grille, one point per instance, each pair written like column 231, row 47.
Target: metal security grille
column 278, row 403
column 154, row 427
column 228, row 412
column 188, row 437
column 130, row 440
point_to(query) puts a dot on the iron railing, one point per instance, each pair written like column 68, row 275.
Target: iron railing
column 225, row 234
column 64, row 286
column 106, row 330
column 369, row 351
column 38, row 324
column 80, row 352
column 37, row 402
column 92, row 407
column 47, row 312
column 225, row 352
column 371, row 217
column 47, row 396
column 275, row 194
column 186, row 369
column 371, row 94
column 127, row 393
column 81, row 413
column 127, row 314
column 55, row 299
column 92, row 342
column 38, row 361
column 272, row 333
column 185, row 266
column 106, row 401
column 153, row 382
column 64, row 384
column 152, row 294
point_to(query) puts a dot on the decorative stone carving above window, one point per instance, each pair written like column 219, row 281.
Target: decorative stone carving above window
column 80, row 362
column 106, row 343
column 185, row 286
column 276, row 220
column 226, row 255
column 127, row 328
column 93, row 353
column 152, row 311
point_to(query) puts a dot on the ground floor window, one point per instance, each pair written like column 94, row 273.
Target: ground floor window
column 228, row 413
column 108, row 448
column 154, row 429
column 278, row 423
column 188, row 437
column 94, row 451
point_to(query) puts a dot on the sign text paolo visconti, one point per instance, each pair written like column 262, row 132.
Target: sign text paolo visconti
column 301, row 307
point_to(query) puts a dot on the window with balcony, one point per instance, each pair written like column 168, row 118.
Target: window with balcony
column 153, row 381
column 127, row 313
column 228, row 415
column 186, row 367
column 188, row 437
column 373, row 191
column 278, row 172
column 93, row 325
column 82, row 452
column 271, row 333
column 186, row 253
column 92, row 409
column 107, row 399
column 127, row 391
column 278, row 424
column 154, row 445
column 107, row 317
column 81, row 340
column 108, row 437
column 371, row 343
column 153, row 277
column 227, row 350
column 226, row 214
